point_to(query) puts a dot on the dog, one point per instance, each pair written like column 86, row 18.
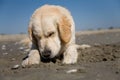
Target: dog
column 52, row 32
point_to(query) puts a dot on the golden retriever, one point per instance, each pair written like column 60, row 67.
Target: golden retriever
column 52, row 32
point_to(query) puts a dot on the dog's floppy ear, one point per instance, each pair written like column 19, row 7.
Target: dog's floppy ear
column 64, row 27
column 30, row 33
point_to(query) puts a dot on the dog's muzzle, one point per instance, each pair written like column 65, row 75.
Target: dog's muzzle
column 46, row 54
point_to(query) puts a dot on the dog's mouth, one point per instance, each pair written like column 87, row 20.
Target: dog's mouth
column 48, row 59
column 46, row 56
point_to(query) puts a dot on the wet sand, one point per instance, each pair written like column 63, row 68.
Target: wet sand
column 100, row 62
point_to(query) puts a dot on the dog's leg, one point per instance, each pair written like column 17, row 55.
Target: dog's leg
column 70, row 55
column 32, row 58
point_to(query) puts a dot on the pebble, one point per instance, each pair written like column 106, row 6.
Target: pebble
column 3, row 47
column 71, row 71
column 5, row 53
column 21, row 48
column 13, row 59
column 15, row 67
column 79, row 70
column 96, row 44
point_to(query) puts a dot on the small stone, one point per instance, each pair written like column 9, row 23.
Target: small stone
column 15, row 67
column 13, row 59
column 21, row 48
column 96, row 44
column 71, row 71
column 5, row 53
column 3, row 47
column 117, row 72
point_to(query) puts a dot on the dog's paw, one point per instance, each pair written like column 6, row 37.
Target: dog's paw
column 69, row 61
column 70, row 55
column 33, row 58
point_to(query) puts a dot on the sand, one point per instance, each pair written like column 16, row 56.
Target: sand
column 100, row 62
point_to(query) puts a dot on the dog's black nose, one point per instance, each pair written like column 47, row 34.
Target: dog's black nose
column 46, row 53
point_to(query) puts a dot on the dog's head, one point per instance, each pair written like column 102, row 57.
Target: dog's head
column 49, row 31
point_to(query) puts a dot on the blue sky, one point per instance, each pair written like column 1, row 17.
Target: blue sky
column 87, row 14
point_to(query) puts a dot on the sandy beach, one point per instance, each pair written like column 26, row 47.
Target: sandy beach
column 99, row 62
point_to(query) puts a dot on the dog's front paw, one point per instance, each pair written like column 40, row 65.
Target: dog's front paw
column 70, row 55
column 69, row 61
column 33, row 58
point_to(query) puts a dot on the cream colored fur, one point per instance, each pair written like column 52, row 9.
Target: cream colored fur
column 52, row 27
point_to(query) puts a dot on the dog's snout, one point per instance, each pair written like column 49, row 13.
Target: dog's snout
column 46, row 53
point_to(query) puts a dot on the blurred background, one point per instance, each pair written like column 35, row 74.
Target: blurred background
column 87, row 14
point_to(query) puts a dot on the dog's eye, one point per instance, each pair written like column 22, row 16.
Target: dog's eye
column 51, row 34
